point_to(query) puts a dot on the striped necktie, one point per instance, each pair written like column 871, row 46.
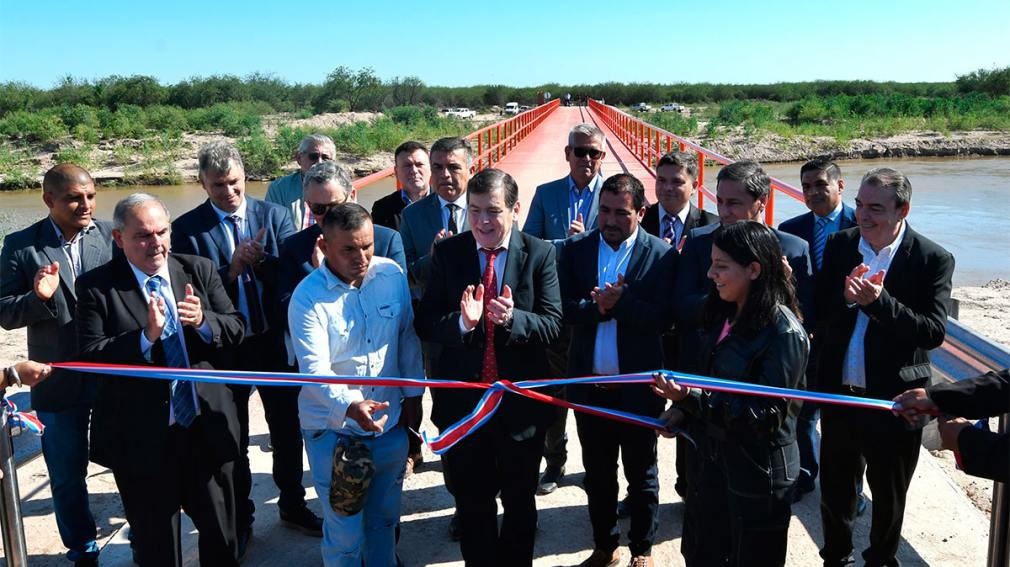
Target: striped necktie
column 820, row 238
column 175, row 353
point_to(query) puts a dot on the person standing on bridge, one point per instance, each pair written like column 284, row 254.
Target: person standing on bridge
column 882, row 296
column 287, row 191
column 822, row 184
column 493, row 304
column 413, row 173
column 615, row 290
column 560, row 209
column 40, row 266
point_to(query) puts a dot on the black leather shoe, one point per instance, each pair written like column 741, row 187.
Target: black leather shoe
column 303, row 520
column 455, row 533
column 89, row 562
column 551, row 479
column 623, row 509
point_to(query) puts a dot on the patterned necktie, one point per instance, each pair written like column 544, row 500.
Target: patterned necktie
column 248, row 280
column 820, row 238
column 175, row 353
column 489, row 368
column 451, row 226
column 668, row 226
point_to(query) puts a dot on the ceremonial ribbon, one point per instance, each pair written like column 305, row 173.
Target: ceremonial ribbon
column 491, row 399
column 21, row 419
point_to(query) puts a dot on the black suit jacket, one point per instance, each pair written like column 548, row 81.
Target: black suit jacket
column 386, row 211
column 129, row 422
column 983, row 453
column 52, row 328
column 531, row 272
column 906, row 321
column 695, row 218
column 200, row 232
column 643, row 314
column 296, row 263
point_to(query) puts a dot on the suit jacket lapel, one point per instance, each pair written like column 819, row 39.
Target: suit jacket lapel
column 434, row 216
column 900, row 259
column 593, row 207
column 126, row 285
column 252, row 216
column 515, row 261
column 216, row 227
column 179, row 279
column 50, row 242
column 637, row 255
column 807, row 227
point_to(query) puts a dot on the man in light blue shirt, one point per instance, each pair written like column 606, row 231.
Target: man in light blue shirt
column 353, row 317
column 287, row 191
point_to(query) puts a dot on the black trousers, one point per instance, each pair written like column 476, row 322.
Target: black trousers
column 601, row 441
column 280, row 405
column 486, row 462
column 556, row 441
column 740, row 504
column 152, row 500
column 891, row 451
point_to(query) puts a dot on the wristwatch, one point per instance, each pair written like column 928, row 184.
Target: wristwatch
column 11, row 377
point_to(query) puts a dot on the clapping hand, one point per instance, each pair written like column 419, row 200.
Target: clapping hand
column 499, row 309
column 607, row 297
column 860, row 290
column 47, row 281
column 190, row 309
column 577, row 226
column 471, row 306
column 156, row 309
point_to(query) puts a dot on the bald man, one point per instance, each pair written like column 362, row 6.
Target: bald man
column 39, row 267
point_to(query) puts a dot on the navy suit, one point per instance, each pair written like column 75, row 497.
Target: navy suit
column 695, row 218
column 549, row 210
column 419, row 223
column 806, row 423
column 643, row 314
column 201, row 232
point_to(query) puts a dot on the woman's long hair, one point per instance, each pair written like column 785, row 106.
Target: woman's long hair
column 746, row 242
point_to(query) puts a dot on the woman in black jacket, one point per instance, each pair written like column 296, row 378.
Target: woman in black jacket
column 740, row 495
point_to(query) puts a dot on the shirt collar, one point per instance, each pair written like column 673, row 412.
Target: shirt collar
column 593, row 183
column 239, row 212
column 682, row 215
column 460, row 201
column 886, row 251
column 405, row 196
column 504, row 243
column 833, row 215
column 626, row 244
column 333, row 280
column 142, row 277
column 59, row 232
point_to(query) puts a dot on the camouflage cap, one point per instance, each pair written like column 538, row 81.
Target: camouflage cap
column 352, row 474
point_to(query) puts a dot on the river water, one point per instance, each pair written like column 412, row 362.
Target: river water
column 963, row 204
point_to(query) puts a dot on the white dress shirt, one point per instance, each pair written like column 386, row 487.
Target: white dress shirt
column 678, row 231
column 854, row 366
column 341, row 330
column 460, row 213
column 170, row 311
column 609, row 264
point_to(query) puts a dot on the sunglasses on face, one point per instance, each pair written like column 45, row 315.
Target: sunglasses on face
column 320, row 209
column 581, row 152
column 315, row 156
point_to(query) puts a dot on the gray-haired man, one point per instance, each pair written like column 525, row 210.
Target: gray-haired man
column 287, row 191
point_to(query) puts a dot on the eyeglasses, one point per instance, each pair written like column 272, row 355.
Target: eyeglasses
column 581, row 152
column 314, row 156
column 320, row 209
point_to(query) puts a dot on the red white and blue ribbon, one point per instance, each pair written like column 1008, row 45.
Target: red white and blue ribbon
column 492, row 397
column 21, row 419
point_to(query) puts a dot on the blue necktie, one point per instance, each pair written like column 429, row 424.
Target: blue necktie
column 248, row 280
column 175, row 354
column 668, row 227
column 820, row 238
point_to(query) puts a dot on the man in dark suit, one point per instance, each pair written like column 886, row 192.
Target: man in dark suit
column 440, row 214
column 615, row 290
column 39, row 267
column 412, row 175
column 822, row 183
column 673, row 216
column 242, row 236
column 882, row 296
column 560, row 209
column 493, row 304
column 170, row 444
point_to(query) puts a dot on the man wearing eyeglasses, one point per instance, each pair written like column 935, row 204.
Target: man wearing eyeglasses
column 562, row 209
column 242, row 236
column 287, row 191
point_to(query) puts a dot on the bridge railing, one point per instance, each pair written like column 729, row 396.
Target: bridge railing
column 649, row 142
column 964, row 353
column 491, row 143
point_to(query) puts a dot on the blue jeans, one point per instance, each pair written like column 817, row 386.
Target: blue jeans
column 65, row 450
column 368, row 536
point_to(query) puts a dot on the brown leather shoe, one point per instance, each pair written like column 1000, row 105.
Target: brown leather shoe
column 601, row 558
column 641, row 561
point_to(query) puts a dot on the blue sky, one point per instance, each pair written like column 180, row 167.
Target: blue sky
column 514, row 43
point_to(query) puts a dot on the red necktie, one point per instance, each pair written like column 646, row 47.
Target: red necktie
column 489, row 368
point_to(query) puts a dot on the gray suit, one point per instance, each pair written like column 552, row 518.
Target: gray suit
column 420, row 222
column 549, row 210
column 52, row 331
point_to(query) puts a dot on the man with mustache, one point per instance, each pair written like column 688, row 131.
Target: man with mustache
column 40, row 265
